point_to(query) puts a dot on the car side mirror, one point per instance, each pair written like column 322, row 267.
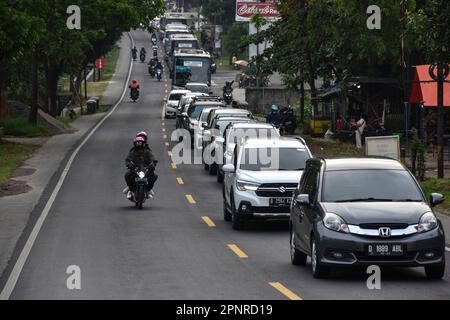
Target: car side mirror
column 302, row 199
column 436, row 198
column 228, row 168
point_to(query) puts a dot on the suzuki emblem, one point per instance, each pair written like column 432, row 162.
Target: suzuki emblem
column 282, row 189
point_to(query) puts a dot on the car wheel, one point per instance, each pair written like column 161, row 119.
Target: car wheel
column 226, row 214
column 219, row 177
column 212, row 169
column 236, row 223
column 298, row 258
column 318, row 270
column 435, row 272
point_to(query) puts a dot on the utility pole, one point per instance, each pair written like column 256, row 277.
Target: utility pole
column 439, row 72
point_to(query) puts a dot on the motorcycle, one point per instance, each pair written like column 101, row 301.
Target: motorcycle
column 142, row 56
column 151, row 71
column 139, row 196
column 155, row 51
column 134, row 94
column 159, row 74
column 134, row 54
column 228, row 97
column 154, row 41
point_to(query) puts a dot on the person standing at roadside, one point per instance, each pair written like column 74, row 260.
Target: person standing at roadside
column 359, row 127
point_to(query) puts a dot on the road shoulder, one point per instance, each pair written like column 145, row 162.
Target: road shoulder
column 47, row 161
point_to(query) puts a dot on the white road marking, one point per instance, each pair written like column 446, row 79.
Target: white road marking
column 447, row 249
column 17, row 269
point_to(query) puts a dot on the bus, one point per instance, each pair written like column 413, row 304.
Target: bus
column 181, row 41
column 172, row 17
column 190, row 65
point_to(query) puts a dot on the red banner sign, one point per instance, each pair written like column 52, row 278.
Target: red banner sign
column 246, row 9
column 100, row 63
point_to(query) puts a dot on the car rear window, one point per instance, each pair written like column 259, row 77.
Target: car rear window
column 175, row 96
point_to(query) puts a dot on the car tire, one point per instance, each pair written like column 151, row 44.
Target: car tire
column 219, row 177
column 318, row 269
column 226, row 214
column 236, row 222
column 212, row 169
column 298, row 258
column 435, row 272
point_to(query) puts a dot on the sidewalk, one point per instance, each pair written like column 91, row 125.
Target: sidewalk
column 37, row 172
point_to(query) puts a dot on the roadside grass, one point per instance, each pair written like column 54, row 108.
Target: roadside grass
column 12, row 155
column 103, row 108
column 21, row 128
column 438, row 185
column 332, row 148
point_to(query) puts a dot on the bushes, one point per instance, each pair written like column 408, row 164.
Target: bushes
column 21, row 128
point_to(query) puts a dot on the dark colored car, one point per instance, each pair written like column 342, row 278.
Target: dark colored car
column 364, row 211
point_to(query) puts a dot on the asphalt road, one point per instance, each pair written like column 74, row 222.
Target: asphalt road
column 167, row 251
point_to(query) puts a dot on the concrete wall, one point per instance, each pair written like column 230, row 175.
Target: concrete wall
column 261, row 99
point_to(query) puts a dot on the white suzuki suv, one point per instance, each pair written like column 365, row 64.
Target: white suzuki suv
column 260, row 181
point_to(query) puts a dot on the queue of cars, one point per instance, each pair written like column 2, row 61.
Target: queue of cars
column 341, row 212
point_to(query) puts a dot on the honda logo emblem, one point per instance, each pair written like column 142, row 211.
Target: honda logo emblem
column 282, row 189
column 384, row 232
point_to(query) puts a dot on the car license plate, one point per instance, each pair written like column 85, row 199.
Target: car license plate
column 280, row 202
column 383, row 249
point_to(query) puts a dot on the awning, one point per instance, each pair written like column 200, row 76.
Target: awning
column 426, row 92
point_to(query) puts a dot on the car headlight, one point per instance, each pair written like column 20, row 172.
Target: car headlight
column 427, row 222
column 246, row 186
column 334, row 222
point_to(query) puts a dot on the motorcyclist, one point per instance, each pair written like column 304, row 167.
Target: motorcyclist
column 143, row 51
column 134, row 86
column 155, row 50
column 139, row 156
column 228, row 87
column 134, row 52
column 273, row 116
column 287, row 120
column 159, row 66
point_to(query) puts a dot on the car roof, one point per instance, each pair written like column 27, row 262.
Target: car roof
column 196, row 84
column 209, row 102
column 232, row 118
column 177, row 91
column 273, row 143
column 253, row 125
column 363, row 163
column 230, row 110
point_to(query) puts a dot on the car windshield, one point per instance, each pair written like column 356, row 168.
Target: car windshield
column 204, row 115
column 266, row 159
column 175, row 96
column 369, row 185
column 195, row 110
column 222, row 124
column 198, row 88
column 258, row 133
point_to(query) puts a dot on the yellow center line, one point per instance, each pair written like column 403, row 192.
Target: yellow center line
column 169, row 153
column 163, row 124
column 173, row 165
column 167, row 144
column 208, row 221
column 164, row 129
column 165, row 136
column 288, row 293
column 237, row 251
column 190, row 199
column 180, row 181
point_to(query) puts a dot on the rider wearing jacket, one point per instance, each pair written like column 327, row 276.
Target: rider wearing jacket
column 273, row 117
column 134, row 86
column 140, row 155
